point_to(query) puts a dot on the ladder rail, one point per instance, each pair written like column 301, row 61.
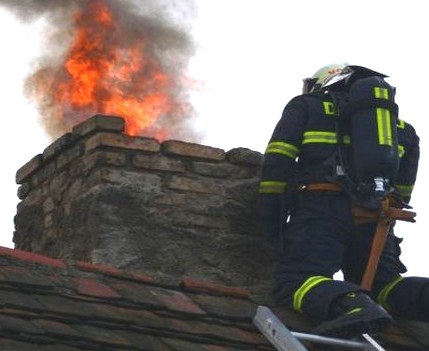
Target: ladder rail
column 285, row 340
column 275, row 331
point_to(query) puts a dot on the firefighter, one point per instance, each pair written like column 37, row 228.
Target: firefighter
column 306, row 195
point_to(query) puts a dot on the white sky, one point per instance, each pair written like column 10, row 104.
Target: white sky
column 252, row 56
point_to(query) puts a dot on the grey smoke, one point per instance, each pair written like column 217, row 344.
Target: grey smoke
column 163, row 25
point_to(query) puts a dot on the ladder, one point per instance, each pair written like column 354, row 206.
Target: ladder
column 285, row 340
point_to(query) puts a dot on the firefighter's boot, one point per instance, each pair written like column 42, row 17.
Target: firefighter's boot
column 353, row 314
column 407, row 298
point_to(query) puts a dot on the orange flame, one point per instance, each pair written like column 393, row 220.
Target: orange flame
column 108, row 70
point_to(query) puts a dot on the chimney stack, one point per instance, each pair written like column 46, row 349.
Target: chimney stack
column 173, row 208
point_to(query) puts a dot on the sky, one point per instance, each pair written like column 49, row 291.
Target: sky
column 251, row 57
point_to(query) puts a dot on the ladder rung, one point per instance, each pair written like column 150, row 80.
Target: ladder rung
column 285, row 340
column 353, row 345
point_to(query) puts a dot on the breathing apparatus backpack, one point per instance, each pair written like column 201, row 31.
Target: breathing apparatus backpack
column 369, row 161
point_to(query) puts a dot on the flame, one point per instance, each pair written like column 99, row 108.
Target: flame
column 109, row 70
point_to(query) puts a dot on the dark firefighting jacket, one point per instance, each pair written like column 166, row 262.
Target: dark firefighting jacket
column 304, row 144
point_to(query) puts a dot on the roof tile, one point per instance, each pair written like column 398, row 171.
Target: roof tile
column 153, row 321
column 20, row 300
column 190, row 284
column 22, row 276
column 183, row 345
column 55, row 347
column 102, row 336
column 55, row 328
column 144, row 342
column 65, row 307
column 217, row 348
column 97, row 268
column 15, row 312
column 135, row 293
column 18, row 325
column 91, row 287
column 13, row 345
column 32, row 257
column 176, row 301
column 233, row 309
column 141, row 277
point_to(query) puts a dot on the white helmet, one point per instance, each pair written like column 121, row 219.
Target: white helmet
column 322, row 77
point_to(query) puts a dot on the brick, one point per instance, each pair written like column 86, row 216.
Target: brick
column 150, row 182
column 58, row 146
column 244, row 156
column 47, row 170
column 32, row 257
column 57, row 184
column 214, row 288
column 48, row 205
column 69, row 155
column 195, row 185
column 99, row 123
column 159, row 163
column 29, row 168
column 91, row 287
column 122, row 141
column 180, row 148
column 221, row 170
column 48, row 221
column 32, row 199
column 100, row 158
column 23, row 190
column 193, row 220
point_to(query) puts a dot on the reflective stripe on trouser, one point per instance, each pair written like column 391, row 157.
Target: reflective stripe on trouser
column 316, row 295
column 407, row 298
column 319, row 240
column 304, row 289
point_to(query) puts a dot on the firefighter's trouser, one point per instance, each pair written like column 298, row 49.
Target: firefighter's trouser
column 407, row 298
column 321, row 239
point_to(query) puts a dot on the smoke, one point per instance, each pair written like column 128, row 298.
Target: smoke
column 96, row 33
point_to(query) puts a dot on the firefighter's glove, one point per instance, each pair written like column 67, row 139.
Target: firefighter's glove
column 397, row 201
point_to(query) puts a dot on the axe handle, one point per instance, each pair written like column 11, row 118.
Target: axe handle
column 377, row 247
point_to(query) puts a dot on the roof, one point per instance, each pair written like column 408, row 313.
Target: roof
column 48, row 304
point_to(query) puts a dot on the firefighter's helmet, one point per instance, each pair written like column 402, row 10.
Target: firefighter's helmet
column 322, row 77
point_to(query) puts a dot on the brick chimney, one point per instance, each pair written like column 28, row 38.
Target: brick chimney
column 172, row 208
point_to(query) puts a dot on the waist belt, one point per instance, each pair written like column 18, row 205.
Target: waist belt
column 320, row 187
